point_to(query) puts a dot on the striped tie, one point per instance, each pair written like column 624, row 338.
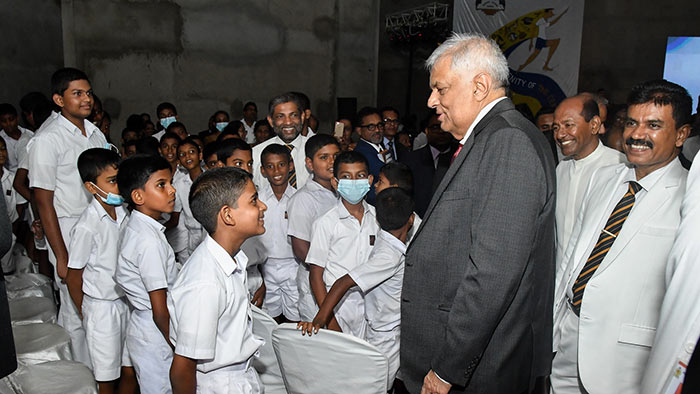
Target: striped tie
column 605, row 241
column 292, row 172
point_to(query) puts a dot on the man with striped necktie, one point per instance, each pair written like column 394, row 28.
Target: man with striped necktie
column 608, row 301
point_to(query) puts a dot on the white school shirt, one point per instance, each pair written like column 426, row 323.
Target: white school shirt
column 13, row 145
column 573, row 177
column 275, row 240
column 305, row 206
column 298, row 156
column 53, row 163
column 209, row 310
column 146, row 261
column 250, row 131
column 21, row 148
column 193, row 229
column 12, row 198
column 381, row 279
column 94, row 246
column 339, row 243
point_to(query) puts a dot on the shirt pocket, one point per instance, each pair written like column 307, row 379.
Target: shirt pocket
column 637, row 335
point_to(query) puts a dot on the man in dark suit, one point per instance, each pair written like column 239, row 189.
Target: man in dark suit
column 390, row 117
column 430, row 163
column 477, row 298
column 370, row 127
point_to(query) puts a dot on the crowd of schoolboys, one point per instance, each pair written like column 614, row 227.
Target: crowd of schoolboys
column 159, row 247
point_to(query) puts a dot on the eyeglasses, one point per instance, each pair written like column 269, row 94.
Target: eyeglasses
column 373, row 126
column 392, row 121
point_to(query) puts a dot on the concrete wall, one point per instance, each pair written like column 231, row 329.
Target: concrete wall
column 206, row 55
column 31, row 47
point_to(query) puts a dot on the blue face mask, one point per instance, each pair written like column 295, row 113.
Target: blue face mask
column 353, row 190
column 221, row 125
column 111, row 199
column 165, row 122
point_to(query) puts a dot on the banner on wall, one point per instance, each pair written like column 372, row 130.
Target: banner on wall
column 540, row 38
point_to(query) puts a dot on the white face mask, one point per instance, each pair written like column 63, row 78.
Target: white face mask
column 165, row 122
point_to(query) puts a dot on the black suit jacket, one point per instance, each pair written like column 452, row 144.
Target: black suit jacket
column 375, row 164
column 425, row 177
column 478, row 288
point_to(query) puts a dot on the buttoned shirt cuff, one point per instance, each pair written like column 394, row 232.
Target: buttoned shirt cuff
column 443, row 380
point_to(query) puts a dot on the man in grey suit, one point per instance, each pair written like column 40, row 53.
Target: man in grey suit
column 479, row 277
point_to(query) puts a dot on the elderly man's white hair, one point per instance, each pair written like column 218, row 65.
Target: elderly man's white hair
column 471, row 52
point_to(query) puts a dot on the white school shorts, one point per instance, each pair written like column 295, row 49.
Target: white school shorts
column 350, row 314
column 105, row 329
column 230, row 380
column 307, row 303
column 282, row 295
column 388, row 342
column 150, row 353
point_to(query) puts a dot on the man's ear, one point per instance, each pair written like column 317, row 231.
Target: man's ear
column 137, row 197
column 370, row 178
column 58, row 99
column 411, row 220
column 226, row 216
column 482, row 86
column 309, row 164
column 595, row 124
column 291, row 165
column 269, row 121
column 682, row 134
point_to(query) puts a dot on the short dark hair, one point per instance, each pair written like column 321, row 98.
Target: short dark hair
column 315, row 143
column 275, row 149
column 174, row 125
column 210, row 149
column 166, row 105
column 349, row 157
column 590, row 109
column 129, row 143
column 93, row 161
column 134, row 172
column 365, row 111
column 304, row 100
column 233, row 126
column 190, row 141
column 394, row 208
column 248, row 104
column 288, row 97
column 7, row 109
column 544, row 111
column 148, row 146
column 214, row 189
column 227, row 147
column 261, row 123
column 227, row 133
column 170, row 135
column 662, row 92
column 63, row 77
column 221, row 112
column 128, row 130
column 389, row 108
column 398, row 174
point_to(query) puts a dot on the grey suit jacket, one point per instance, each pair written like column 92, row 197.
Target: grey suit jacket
column 479, row 279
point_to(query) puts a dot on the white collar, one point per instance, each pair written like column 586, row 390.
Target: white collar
column 480, row 116
column 227, row 263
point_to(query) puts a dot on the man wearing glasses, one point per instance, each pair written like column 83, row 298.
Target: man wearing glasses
column 390, row 116
column 370, row 127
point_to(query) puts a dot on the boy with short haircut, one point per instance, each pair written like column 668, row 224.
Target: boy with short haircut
column 235, row 153
column 178, row 129
column 315, row 198
column 146, row 268
column 190, row 159
column 342, row 239
column 380, row 279
column 209, row 156
column 167, row 114
column 280, row 268
column 92, row 262
column 399, row 175
column 58, row 192
column 168, row 149
column 13, row 134
column 211, row 316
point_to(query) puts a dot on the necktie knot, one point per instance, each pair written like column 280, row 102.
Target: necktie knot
column 634, row 187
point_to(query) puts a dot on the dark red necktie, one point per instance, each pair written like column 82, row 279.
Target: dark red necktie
column 456, row 153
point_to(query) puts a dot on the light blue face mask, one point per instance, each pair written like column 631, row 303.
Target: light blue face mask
column 111, row 199
column 165, row 122
column 221, row 125
column 353, row 190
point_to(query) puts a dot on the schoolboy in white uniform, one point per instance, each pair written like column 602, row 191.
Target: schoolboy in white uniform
column 342, row 239
column 58, row 191
column 280, row 268
column 380, row 278
column 146, row 268
column 12, row 199
column 93, row 252
column 190, row 159
column 211, row 316
column 305, row 206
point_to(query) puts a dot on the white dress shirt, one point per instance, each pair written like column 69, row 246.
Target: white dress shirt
column 209, row 309
column 573, row 177
column 193, row 230
column 53, row 159
column 298, row 157
column 14, row 145
column 94, row 246
column 275, row 240
column 307, row 205
column 250, row 131
column 146, row 261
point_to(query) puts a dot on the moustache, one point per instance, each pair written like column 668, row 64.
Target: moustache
column 632, row 141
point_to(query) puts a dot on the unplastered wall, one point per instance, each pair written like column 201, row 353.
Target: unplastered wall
column 206, row 55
